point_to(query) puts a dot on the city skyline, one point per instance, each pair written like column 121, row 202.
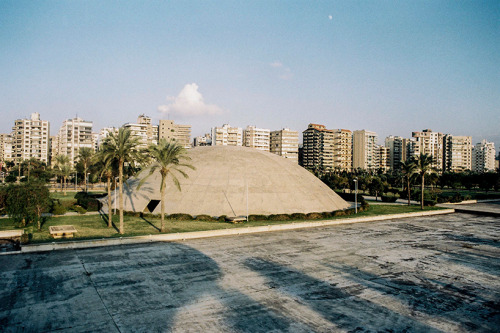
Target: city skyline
column 392, row 68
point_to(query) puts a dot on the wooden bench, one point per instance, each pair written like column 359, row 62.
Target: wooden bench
column 62, row 231
column 10, row 240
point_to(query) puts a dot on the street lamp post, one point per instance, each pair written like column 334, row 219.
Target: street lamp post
column 356, row 195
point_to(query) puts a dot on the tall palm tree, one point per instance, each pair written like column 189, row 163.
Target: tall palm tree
column 423, row 166
column 63, row 169
column 408, row 168
column 85, row 156
column 167, row 157
column 123, row 147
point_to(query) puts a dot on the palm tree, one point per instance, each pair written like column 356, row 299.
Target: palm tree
column 408, row 169
column 423, row 166
column 123, row 147
column 64, row 170
column 85, row 156
column 167, row 157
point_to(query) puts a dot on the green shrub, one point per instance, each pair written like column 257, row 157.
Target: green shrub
column 389, row 198
column 278, row 217
column 180, row 216
column 68, row 204
column 430, row 202
column 257, row 218
column 58, row 209
column 204, row 218
column 222, row 218
column 338, row 213
column 298, row 216
column 79, row 209
column 314, row 216
column 133, row 214
column 89, row 201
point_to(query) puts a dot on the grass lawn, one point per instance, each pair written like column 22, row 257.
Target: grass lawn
column 95, row 227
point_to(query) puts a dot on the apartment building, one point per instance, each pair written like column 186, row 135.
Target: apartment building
column 399, row 150
column 73, row 135
column 457, row 153
column 144, row 130
column 170, row 131
column 382, row 158
column 285, row 143
column 430, row 143
column 342, row 149
column 257, row 138
column 364, row 154
column 317, row 148
column 201, row 141
column 227, row 136
column 483, row 157
column 5, row 147
column 30, row 139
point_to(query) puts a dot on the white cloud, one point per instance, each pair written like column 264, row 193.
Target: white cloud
column 285, row 73
column 330, row 17
column 189, row 102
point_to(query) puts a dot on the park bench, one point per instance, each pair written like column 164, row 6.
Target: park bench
column 10, row 239
column 62, row 231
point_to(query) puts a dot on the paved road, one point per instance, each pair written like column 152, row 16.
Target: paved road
column 424, row 274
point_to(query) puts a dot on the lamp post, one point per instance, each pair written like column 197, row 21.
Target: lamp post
column 356, row 195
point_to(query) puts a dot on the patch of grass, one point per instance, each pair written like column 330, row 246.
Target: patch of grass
column 95, row 226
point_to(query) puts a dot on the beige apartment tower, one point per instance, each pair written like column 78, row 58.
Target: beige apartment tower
column 317, row 147
column 5, row 147
column 285, row 143
column 170, row 131
column 364, row 155
column 483, row 157
column 30, row 139
column 342, row 150
column 429, row 143
column 257, row 138
column 457, row 153
column 144, row 130
column 227, row 136
column 74, row 134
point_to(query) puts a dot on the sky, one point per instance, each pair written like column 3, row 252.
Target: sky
column 392, row 67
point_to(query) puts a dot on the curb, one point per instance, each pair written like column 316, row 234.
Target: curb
column 216, row 233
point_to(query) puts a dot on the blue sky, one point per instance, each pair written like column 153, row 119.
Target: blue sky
column 392, row 67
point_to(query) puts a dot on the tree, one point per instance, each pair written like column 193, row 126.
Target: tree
column 85, row 157
column 408, row 168
column 168, row 158
column 423, row 165
column 123, row 147
column 376, row 186
column 63, row 170
column 26, row 202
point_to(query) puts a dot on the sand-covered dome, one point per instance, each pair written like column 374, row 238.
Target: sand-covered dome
column 227, row 180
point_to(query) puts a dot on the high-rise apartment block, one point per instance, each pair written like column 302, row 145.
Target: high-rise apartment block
column 144, row 130
column 30, row 139
column 399, row 150
column 170, row 131
column 5, row 147
column 429, row 143
column 285, row 143
column 257, row 138
column 365, row 154
column 457, row 153
column 342, row 149
column 227, row 136
column 75, row 134
column 382, row 158
column 317, row 150
column 483, row 157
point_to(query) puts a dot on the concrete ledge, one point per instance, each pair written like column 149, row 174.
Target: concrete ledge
column 217, row 233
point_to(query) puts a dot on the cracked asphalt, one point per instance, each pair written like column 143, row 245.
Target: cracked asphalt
column 425, row 274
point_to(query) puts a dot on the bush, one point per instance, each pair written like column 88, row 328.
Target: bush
column 278, row 217
column 57, row 208
column 298, row 216
column 314, row 216
column 389, row 198
column 79, row 209
column 88, row 201
column 338, row 213
column 180, row 216
column 430, row 202
column 204, row 218
column 222, row 218
column 351, row 197
column 257, row 218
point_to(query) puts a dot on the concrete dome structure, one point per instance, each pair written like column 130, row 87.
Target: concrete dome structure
column 227, row 180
